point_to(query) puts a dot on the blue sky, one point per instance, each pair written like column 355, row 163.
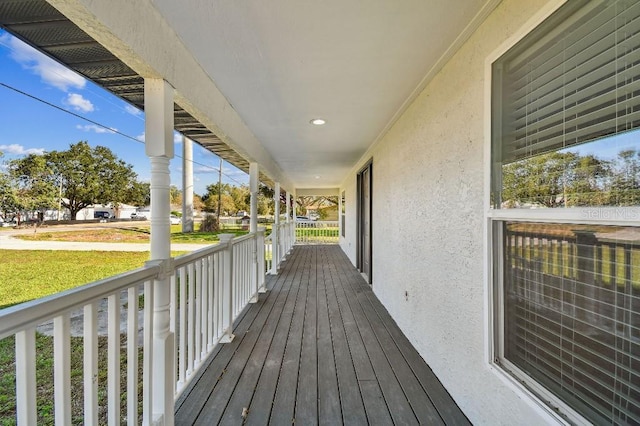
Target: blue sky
column 30, row 126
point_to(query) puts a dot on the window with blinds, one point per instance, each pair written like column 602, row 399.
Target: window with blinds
column 572, row 314
column 563, row 98
column 566, row 133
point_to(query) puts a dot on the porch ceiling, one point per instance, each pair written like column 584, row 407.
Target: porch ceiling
column 356, row 64
column 280, row 64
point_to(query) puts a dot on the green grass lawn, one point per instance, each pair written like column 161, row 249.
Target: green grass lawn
column 30, row 274
column 128, row 235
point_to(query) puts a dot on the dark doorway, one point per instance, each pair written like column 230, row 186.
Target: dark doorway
column 364, row 220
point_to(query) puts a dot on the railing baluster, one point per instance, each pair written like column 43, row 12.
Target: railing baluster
column 90, row 348
column 132, row 355
column 192, row 318
column 182, row 351
column 216, row 296
column 26, row 377
column 260, row 271
column 113, row 359
column 147, row 360
column 198, row 321
column 210, row 332
column 62, row 369
column 227, row 295
column 204, row 312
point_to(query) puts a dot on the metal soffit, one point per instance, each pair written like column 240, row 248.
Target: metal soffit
column 43, row 27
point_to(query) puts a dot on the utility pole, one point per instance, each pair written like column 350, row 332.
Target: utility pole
column 219, row 190
column 60, row 199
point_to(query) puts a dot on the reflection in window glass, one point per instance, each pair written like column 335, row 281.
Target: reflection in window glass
column 572, row 314
column 601, row 173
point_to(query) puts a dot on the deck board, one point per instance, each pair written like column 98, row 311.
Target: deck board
column 317, row 348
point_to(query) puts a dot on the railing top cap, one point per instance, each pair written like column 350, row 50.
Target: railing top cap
column 224, row 238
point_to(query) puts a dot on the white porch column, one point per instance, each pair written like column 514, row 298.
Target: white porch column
column 158, row 101
column 187, row 184
column 253, row 188
column 295, row 214
column 253, row 227
column 339, row 215
column 288, row 207
column 274, row 233
column 289, row 236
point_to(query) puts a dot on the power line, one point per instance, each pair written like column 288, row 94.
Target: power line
column 107, row 128
column 65, row 77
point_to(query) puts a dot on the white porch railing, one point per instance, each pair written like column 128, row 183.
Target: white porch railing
column 317, row 232
column 286, row 239
column 209, row 289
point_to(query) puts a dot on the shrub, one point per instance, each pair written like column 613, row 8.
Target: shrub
column 210, row 224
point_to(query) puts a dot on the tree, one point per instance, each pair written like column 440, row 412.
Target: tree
column 586, row 184
column 8, row 195
column 91, row 176
column 537, row 180
column 567, row 179
column 198, row 204
column 241, row 197
column 138, row 194
column 210, row 198
column 175, row 196
column 33, row 184
column 625, row 186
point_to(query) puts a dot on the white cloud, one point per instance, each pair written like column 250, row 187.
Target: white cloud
column 205, row 170
column 94, row 128
column 16, row 149
column 132, row 110
column 79, row 103
column 140, row 137
column 50, row 71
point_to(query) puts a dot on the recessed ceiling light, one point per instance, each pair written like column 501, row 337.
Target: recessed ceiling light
column 318, row 121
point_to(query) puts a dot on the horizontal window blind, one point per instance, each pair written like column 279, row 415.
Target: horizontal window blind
column 572, row 314
column 573, row 80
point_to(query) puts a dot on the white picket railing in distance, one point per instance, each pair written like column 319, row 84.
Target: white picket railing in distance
column 316, row 232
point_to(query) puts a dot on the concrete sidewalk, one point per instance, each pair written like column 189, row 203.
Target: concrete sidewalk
column 8, row 242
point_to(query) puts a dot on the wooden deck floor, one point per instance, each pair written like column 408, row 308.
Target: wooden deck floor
column 318, row 348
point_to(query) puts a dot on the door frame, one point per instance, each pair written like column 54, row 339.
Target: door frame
column 368, row 167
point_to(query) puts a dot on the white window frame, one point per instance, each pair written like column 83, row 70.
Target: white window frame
column 542, row 401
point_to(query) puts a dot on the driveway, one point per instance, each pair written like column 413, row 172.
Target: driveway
column 9, row 242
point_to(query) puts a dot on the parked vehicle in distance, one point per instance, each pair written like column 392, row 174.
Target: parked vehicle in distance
column 8, row 223
column 175, row 220
column 101, row 215
column 138, row 216
column 302, row 219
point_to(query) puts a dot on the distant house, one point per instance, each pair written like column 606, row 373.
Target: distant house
column 122, row 211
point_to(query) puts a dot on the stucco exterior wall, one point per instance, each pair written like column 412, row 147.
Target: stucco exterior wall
column 428, row 237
